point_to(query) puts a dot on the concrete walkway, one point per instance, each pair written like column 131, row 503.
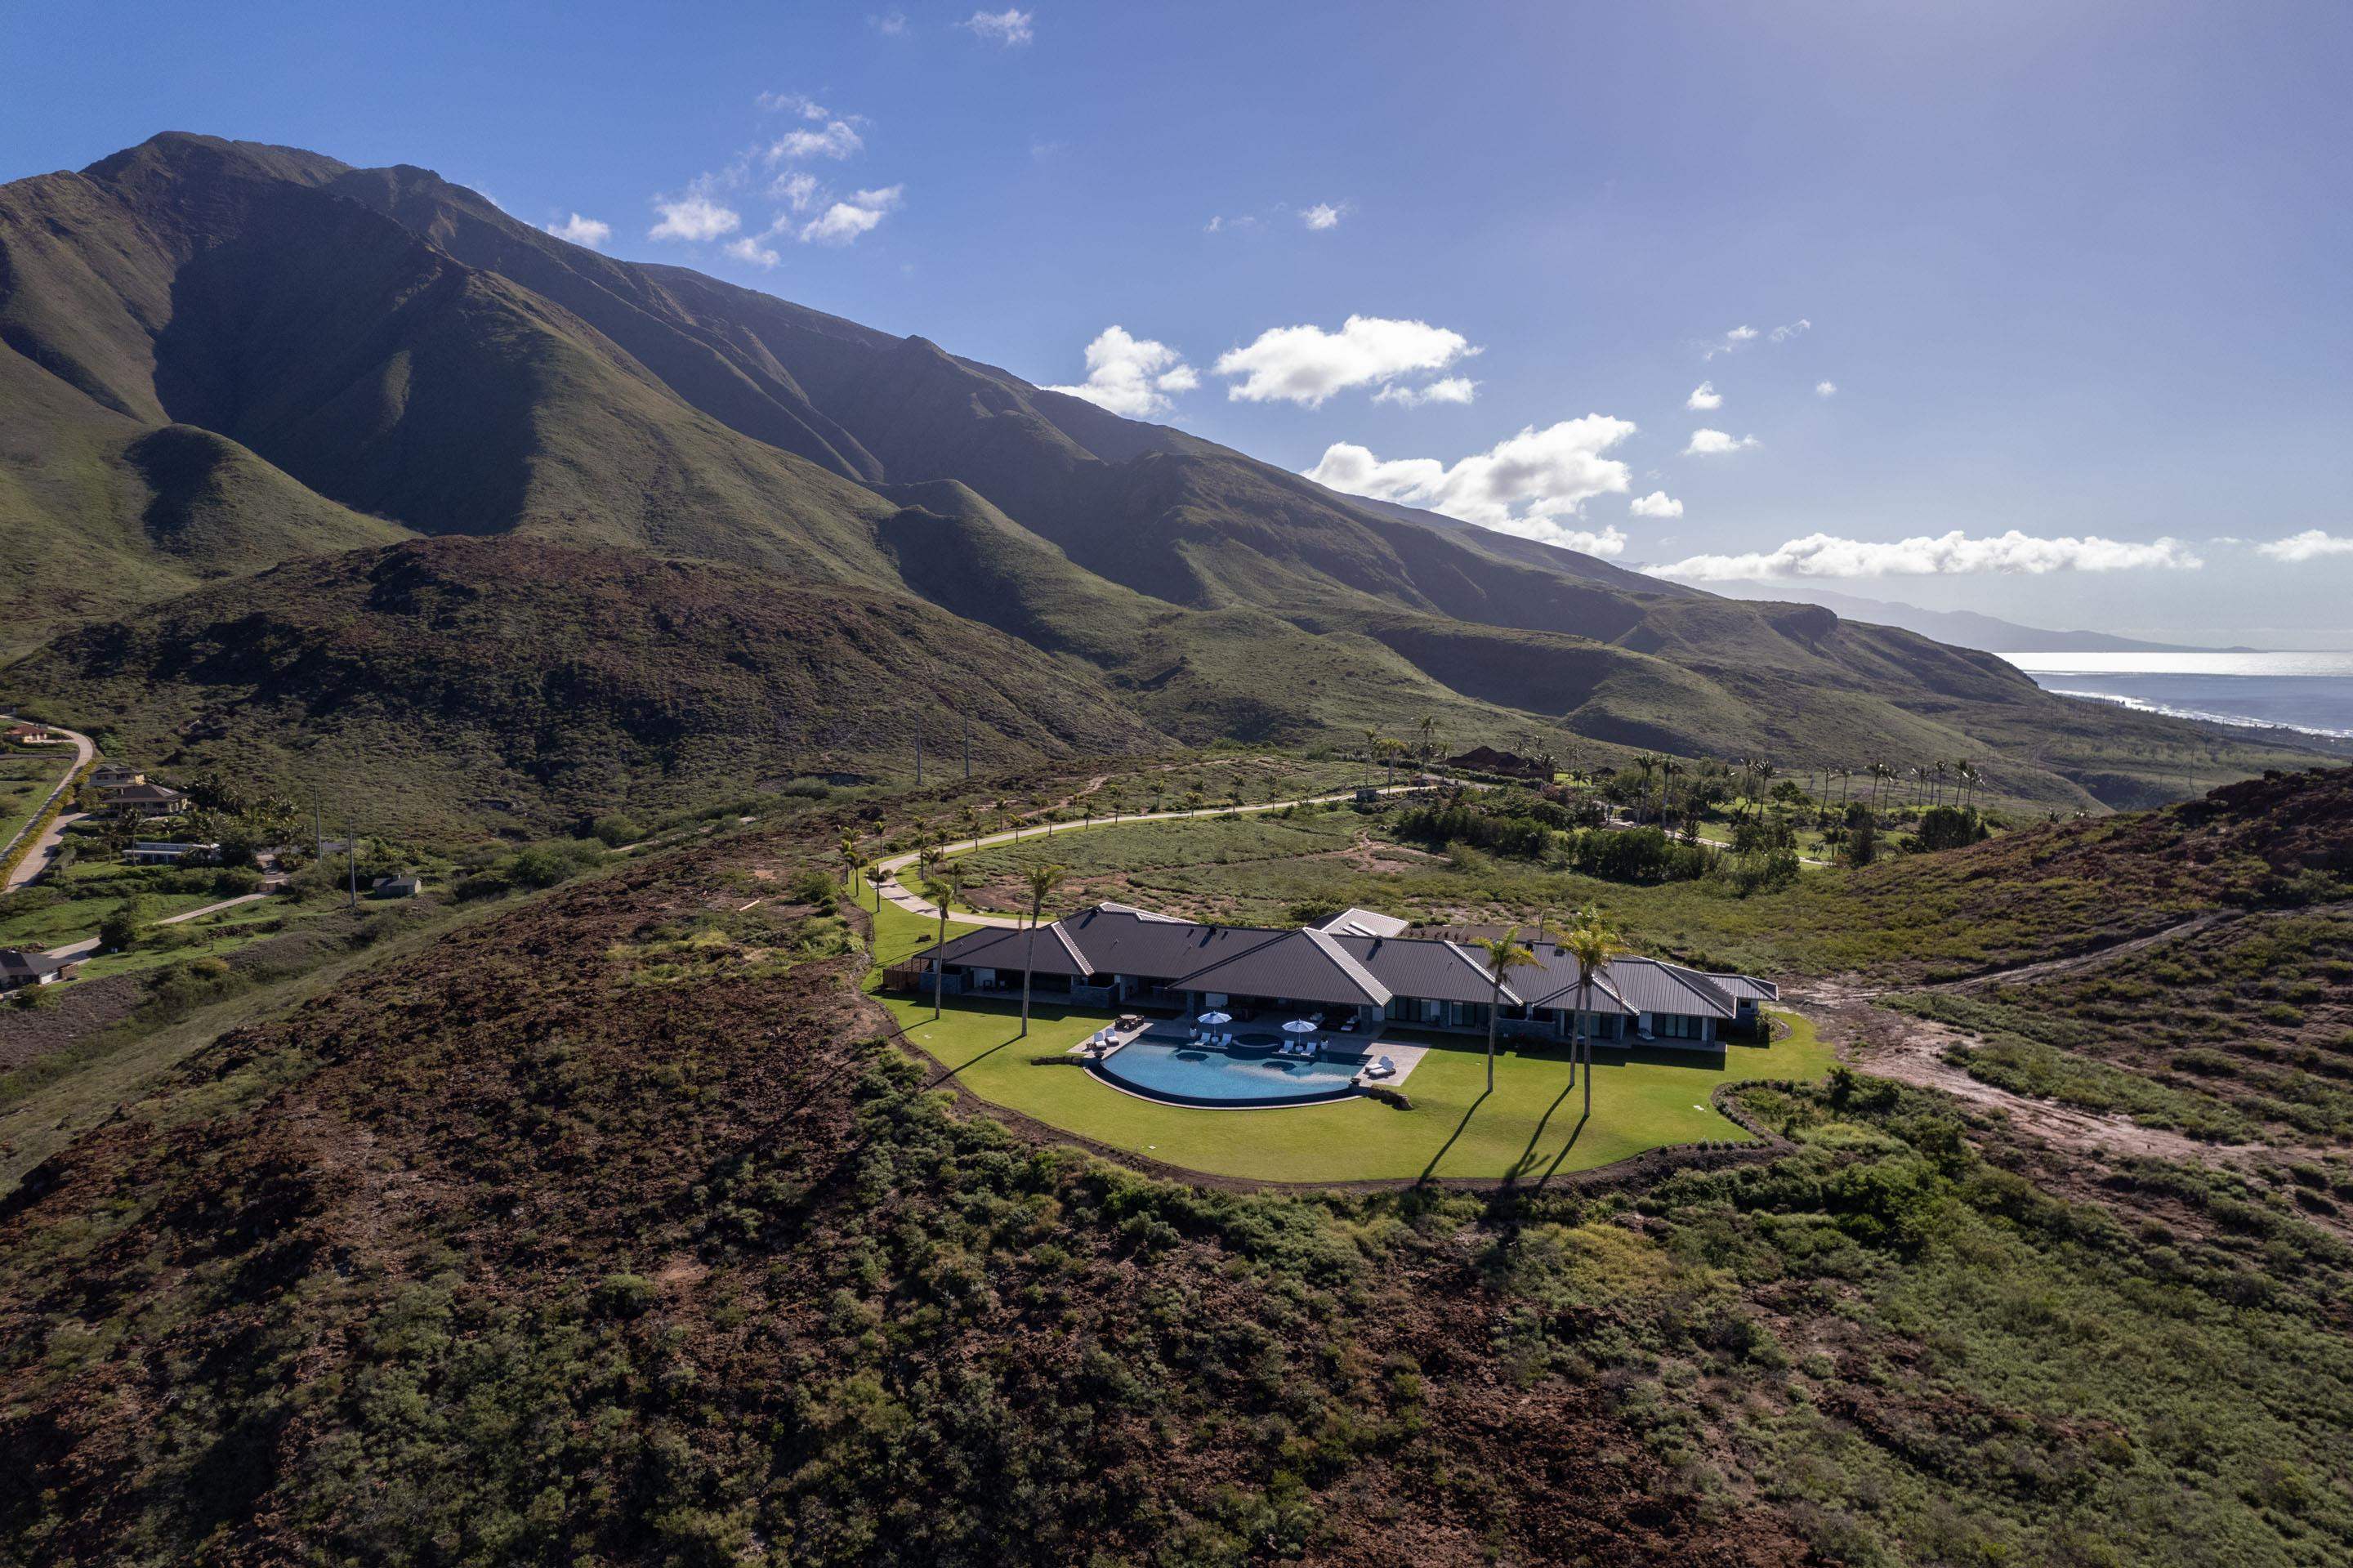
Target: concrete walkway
column 916, row 903
column 45, row 850
column 89, row 944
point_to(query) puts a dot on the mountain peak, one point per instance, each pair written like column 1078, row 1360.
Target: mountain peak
column 185, row 153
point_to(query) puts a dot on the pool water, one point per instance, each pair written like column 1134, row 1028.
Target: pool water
column 1248, row 1073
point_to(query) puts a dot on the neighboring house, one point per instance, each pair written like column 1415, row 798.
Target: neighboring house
column 31, row 734
column 20, row 969
column 114, row 775
column 145, row 801
column 1352, row 963
column 407, row 884
column 150, row 852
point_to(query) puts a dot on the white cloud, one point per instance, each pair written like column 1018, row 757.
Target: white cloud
column 838, row 139
column 798, row 103
column 1824, row 556
column 1131, row 375
column 750, row 250
column 1703, row 397
column 1007, row 26
column 1716, row 443
column 1825, row 388
column 2308, row 546
column 1220, row 223
column 1449, row 390
column 1526, row 484
column 1658, row 503
column 1323, row 215
column 796, row 190
column 858, row 214
column 891, row 23
column 1306, row 365
column 1736, row 338
column 1742, row 336
column 582, row 232
column 693, row 216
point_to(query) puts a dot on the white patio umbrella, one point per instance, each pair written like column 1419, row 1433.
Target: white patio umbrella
column 1299, row 1026
column 1215, row 1018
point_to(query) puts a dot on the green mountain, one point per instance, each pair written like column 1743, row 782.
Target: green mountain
column 216, row 356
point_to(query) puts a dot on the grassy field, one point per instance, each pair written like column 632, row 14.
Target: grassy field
column 1528, row 1128
column 25, row 779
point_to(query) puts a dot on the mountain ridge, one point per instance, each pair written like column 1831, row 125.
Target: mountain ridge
column 397, row 357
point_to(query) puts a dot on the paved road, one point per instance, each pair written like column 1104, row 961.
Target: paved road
column 89, row 944
column 37, row 862
column 916, row 903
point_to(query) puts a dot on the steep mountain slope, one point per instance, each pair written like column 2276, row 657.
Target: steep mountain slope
column 415, row 681
column 368, row 352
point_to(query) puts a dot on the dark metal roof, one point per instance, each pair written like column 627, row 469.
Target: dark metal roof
column 1649, row 985
column 1747, row 986
column 1294, row 966
column 28, row 964
column 1437, row 972
column 1118, row 940
column 1321, row 966
column 1003, row 948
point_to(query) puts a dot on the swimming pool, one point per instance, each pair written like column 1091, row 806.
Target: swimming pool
column 1248, row 1073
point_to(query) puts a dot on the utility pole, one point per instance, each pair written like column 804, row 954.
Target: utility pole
column 968, row 748
column 318, row 825
column 919, row 755
column 352, row 859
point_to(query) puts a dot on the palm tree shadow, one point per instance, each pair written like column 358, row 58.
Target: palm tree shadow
column 1573, row 1134
column 946, row 1073
column 1528, row 1155
column 1472, row 1110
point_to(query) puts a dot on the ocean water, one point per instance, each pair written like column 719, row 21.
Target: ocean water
column 2308, row 692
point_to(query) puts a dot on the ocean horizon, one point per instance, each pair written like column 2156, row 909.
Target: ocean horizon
column 2311, row 692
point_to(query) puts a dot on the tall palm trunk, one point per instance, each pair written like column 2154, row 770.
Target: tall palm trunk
column 1028, row 960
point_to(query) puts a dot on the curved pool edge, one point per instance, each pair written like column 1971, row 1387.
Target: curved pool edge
column 1100, row 1071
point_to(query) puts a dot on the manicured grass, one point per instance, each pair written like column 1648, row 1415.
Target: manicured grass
column 1528, row 1126
column 25, row 779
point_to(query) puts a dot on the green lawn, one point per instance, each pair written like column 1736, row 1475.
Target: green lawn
column 25, row 779
column 1526, row 1128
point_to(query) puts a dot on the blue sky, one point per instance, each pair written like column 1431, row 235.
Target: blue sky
column 2077, row 273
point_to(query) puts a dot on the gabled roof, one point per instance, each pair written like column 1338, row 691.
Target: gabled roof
column 1298, row 966
column 1005, row 947
column 1651, row 985
column 1416, row 965
column 1747, row 986
column 26, row 964
column 1360, row 923
column 1118, row 940
column 144, row 792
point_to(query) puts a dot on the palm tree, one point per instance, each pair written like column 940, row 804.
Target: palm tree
column 1502, row 954
column 1592, row 943
column 859, row 866
column 950, row 893
column 848, row 846
column 1044, row 880
column 1426, row 735
column 1937, row 798
column 1372, row 751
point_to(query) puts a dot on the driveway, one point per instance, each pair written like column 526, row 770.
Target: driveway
column 89, row 944
column 45, row 848
column 916, row 903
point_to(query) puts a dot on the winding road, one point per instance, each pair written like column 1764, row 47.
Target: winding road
column 33, row 865
column 915, row 903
